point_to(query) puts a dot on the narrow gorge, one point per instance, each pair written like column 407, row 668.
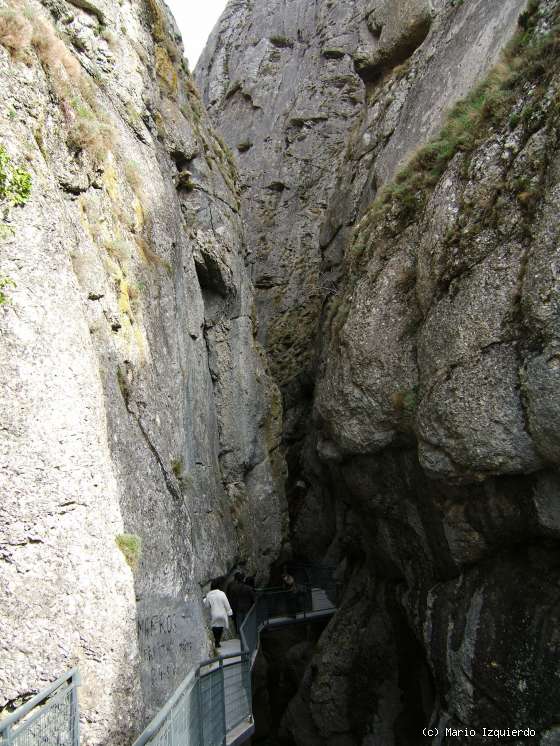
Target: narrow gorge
column 299, row 304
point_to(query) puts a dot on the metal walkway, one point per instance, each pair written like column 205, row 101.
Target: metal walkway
column 217, row 710
column 213, row 704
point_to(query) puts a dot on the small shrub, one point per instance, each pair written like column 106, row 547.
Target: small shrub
column 15, row 182
column 123, row 386
column 131, row 547
column 529, row 197
column 6, row 231
column 184, row 181
column 16, row 32
column 19, row 188
column 160, row 126
column 166, row 72
column 514, row 120
column 52, row 51
column 184, row 478
column 149, row 254
column 5, row 282
column 133, row 176
column 119, row 250
column 401, row 70
column 111, row 38
column 406, row 401
column 406, row 279
column 88, row 133
column 134, row 294
column 134, row 116
column 177, row 467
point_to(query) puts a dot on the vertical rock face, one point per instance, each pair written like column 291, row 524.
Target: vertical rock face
column 136, row 403
column 294, row 88
column 320, row 102
column 430, row 319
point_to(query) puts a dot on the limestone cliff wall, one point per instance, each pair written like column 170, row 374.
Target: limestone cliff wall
column 430, row 468
column 436, row 406
column 320, row 101
column 135, row 398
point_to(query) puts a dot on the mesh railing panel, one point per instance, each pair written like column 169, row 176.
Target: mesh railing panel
column 237, row 689
column 53, row 721
column 212, row 708
column 249, row 632
column 193, row 730
column 217, row 700
column 315, row 594
column 181, row 727
column 278, row 604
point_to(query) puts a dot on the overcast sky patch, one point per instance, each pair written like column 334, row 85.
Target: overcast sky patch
column 196, row 20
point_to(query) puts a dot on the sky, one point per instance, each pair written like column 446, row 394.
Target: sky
column 196, row 20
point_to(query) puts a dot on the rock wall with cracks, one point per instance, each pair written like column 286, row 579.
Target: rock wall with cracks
column 295, row 90
column 135, row 397
column 430, row 467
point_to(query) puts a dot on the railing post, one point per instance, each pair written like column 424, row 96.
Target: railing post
column 75, row 709
column 222, row 674
column 8, row 738
column 248, row 685
column 197, row 686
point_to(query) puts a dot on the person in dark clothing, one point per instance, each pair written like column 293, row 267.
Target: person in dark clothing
column 291, row 591
column 241, row 597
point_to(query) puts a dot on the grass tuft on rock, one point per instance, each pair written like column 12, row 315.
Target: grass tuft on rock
column 131, row 547
column 16, row 32
column 88, row 133
column 15, row 182
column 23, row 34
column 177, row 467
column 5, row 283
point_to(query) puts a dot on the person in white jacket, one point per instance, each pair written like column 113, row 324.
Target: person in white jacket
column 217, row 601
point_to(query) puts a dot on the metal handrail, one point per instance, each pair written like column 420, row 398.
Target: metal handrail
column 22, row 711
column 259, row 614
column 194, row 678
column 157, row 721
column 210, row 702
column 45, row 703
column 213, row 661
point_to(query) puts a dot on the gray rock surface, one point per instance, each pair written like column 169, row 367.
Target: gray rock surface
column 415, row 341
column 464, row 531
column 423, row 339
column 317, row 105
column 135, row 398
